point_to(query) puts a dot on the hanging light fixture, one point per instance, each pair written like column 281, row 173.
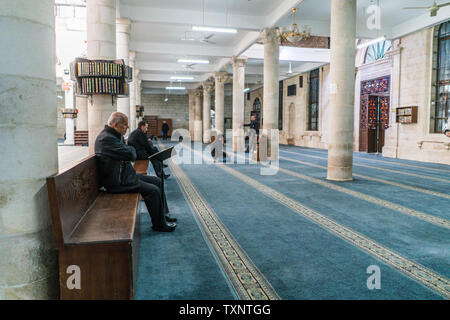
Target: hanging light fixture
column 294, row 35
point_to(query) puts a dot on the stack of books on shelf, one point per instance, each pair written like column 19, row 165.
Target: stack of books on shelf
column 101, row 77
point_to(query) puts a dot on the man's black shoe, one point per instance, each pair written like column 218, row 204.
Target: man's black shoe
column 165, row 165
column 170, row 219
column 166, row 176
column 169, row 227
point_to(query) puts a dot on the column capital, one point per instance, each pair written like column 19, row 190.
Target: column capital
column 239, row 61
column 132, row 55
column 221, row 77
column 208, row 86
column 123, row 25
column 198, row 92
column 270, row 35
column 191, row 92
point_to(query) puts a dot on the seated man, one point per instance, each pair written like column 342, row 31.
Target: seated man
column 144, row 147
column 117, row 174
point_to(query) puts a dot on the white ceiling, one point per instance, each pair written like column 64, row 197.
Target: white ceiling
column 159, row 25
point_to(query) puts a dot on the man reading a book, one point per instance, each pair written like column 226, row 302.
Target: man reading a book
column 145, row 148
column 117, row 175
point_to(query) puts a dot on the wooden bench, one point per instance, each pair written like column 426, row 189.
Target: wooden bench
column 96, row 232
column 141, row 166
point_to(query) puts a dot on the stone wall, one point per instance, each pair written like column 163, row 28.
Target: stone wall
column 415, row 88
column 410, row 66
column 176, row 108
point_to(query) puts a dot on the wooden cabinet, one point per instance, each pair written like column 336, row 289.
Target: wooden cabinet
column 406, row 115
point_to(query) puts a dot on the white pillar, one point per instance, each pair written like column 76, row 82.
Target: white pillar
column 198, row 116
column 82, row 117
column 138, row 99
column 207, row 88
column 132, row 88
column 271, row 42
column 70, row 122
column 28, row 259
column 123, row 27
column 342, row 90
column 220, row 78
column 191, row 93
column 101, row 44
column 238, row 102
column 132, row 122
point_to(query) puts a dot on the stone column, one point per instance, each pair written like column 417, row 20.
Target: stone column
column 191, row 93
column 138, row 99
column 207, row 88
column 123, row 27
column 271, row 42
column 220, row 78
column 132, row 121
column 198, row 116
column 28, row 260
column 70, row 122
column 238, row 102
column 82, row 118
column 132, row 86
column 101, row 44
column 342, row 90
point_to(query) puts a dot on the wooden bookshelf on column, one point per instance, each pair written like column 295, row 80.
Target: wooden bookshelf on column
column 107, row 77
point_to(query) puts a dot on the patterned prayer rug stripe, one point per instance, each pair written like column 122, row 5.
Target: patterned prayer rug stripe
column 378, row 168
column 248, row 282
column 432, row 280
column 441, row 222
column 381, row 161
column 397, row 184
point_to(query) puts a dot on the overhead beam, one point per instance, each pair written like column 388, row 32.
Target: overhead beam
column 421, row 22
column 180, row 49
column 190, row 17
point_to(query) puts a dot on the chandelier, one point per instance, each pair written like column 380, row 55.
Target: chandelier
column 295, row 35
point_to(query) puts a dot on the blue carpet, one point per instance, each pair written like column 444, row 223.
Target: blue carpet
column 300, row 259
column 179, row 264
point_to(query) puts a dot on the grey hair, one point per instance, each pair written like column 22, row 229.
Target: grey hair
column 117, row 118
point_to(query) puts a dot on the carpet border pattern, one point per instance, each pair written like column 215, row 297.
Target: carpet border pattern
column 426, row 277
column 248, row 282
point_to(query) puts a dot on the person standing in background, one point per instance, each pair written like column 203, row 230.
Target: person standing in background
column 165, row 130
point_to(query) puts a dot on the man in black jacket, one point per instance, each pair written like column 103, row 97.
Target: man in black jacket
column 144, row 147
column 165, row 129
column 254, row 128
column 117, row 174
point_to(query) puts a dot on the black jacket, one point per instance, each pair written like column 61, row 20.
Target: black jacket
column 165, row 128
column 254, row 124
column 139, row 141
column 114, row 158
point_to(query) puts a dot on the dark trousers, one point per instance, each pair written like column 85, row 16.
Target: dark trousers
column 150, row 189
column 165, row 135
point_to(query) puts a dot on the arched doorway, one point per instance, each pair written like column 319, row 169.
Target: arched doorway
column 374, row 114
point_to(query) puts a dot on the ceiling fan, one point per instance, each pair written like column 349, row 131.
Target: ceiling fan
column 433, row 9
column 189, row 66
column 206, row 39
column 202, row 40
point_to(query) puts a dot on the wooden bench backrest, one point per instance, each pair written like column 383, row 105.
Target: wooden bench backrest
column 71, row 193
